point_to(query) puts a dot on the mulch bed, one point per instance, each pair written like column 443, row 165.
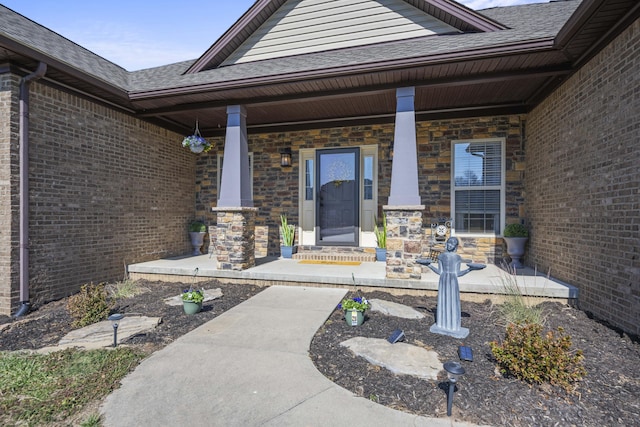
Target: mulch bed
column 608, row 395
column 47, row 324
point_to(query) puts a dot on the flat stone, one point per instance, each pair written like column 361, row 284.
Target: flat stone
column 394, row 309
column 209, row 295
column 100, row 334
column 399, row 358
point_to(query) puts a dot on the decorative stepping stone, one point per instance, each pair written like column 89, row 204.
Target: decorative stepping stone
column 394, row 309
column 209, row 295
column 100, row 334
column 399, row 358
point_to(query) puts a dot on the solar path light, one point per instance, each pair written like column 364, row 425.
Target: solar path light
column 115, row 321
column 454, row 371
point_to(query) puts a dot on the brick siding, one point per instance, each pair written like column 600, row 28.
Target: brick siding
column 106, row 189
column 9, row 191
column 582, row 182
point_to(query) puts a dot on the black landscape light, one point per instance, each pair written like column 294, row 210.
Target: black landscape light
column 454, row 371
column 115, row 320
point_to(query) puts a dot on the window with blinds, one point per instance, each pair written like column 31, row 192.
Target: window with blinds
column 478, row 186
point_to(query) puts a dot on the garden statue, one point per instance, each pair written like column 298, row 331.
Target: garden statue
column 448, row 309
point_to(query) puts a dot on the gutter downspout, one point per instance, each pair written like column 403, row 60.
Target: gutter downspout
column 24, row 186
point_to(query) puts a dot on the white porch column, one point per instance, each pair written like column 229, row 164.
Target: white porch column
column 404, row 169
column 235, row 185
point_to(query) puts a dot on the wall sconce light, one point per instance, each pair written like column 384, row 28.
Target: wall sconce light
column 115, row 320
column 390, row 150
column 454, row 372
column 285, row 158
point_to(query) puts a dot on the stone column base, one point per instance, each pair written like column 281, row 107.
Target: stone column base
column 404, row 241
column 235, row 237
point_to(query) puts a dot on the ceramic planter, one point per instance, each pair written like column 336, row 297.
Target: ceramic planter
column 287, row 251
column 381, row 254
column 515, row 250
column 197, row 240
column 354, row 317
column 191, row 307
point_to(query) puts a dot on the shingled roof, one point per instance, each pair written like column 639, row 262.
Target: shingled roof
column 528, row 23
column 506, row 57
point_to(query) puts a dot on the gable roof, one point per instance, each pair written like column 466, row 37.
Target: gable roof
column 479, row 72
column 271, row 16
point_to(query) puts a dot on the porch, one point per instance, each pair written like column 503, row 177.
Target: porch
column 476, row 286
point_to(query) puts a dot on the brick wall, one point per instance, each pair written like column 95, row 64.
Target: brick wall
column 9, row 184
column 105, row 189
column 582, row 183
column 275, row 189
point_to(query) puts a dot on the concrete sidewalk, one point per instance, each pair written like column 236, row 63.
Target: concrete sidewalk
column 249, row 367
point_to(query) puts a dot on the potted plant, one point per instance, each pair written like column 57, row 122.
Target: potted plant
column 354, row 309
column 288, row 237
column 197, row 230
column 192, row 300
column 381, row 239
column 515, row 236
column 196, row 143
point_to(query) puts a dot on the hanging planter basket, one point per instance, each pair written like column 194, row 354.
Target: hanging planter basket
column 196, row 143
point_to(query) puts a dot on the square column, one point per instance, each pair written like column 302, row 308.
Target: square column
column 404, row 241
column 235, row 238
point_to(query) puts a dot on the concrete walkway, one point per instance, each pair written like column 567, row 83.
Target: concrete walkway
column 249, row 367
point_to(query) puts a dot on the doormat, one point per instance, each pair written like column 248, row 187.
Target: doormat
column 324, row 262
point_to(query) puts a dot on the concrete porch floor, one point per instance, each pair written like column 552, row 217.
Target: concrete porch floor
column 477, row 285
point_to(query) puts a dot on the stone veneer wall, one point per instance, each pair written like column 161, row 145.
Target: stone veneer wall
column 275, row 189
column 583, row 182
column 105, row 189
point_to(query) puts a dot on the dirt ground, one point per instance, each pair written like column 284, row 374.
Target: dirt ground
column 609, row 395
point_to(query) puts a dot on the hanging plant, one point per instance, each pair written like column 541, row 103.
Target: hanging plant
column 196, row 143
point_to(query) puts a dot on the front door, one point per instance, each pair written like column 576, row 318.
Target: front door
column 337, row 201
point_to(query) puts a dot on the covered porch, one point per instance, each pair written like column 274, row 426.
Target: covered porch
column 477, row 285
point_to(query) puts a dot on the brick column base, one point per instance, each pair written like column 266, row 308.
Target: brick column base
column 404, row 241
column 235, row 238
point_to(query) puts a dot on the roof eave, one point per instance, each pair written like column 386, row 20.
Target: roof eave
column 470, row 16
column 372, row 67
column 64, row 67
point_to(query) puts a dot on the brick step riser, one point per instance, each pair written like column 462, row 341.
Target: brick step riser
column 328, row 253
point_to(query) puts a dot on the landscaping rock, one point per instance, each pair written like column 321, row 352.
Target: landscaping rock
column 100, row 334
column 399, row 358
column 394, row 309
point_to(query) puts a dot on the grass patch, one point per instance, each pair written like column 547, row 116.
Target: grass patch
column 517, row 309
column 37, row 389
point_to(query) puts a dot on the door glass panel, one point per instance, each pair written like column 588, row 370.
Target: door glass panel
column 338, row 195
column 368, row 178
column 308, row 180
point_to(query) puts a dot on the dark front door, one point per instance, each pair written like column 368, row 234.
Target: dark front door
column 338, row 196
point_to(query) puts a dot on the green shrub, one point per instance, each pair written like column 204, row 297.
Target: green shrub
column 528, row 355
column 515, row 230
column 197, row 227
column 90, row 305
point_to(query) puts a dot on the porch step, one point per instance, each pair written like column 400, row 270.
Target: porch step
column 335, row 253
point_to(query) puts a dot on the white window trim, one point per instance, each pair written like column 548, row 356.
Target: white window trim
column 501, row 187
